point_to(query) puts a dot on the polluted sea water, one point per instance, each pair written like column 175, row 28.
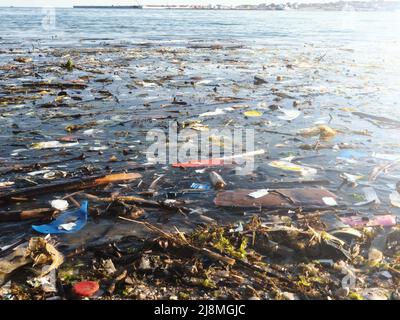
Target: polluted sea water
column 167, row 154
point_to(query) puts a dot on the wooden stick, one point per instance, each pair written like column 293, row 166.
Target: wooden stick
column 127, row 199
column 70, row 185
column 13, row 216
column 139, row 201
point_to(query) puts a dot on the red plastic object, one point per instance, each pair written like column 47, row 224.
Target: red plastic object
column 203, row 163
column 85, row 288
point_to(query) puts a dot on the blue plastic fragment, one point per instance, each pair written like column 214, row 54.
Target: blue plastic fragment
column 78, row 217
column 200, row 186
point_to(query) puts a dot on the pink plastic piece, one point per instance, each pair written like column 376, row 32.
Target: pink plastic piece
column 384, row 221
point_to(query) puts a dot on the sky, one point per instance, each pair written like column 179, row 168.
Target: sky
column 70, row 3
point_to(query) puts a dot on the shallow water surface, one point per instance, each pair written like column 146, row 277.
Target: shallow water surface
column 327, row 65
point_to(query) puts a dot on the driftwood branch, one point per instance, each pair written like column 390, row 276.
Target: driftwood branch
column 70, row 185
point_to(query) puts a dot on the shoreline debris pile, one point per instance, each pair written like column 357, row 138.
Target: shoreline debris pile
column 246, row 261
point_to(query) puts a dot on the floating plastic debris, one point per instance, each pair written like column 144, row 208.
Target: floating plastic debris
column 86, row 288
column 53, row 145
column 290, row 115
column 358, row 221
column 329, row 201
column 63, row 222
column 259, row 193
column 395, row 199
column 253, row 113
column 6, row 184
column 61, row 205
column 278, row 198
column 289, row 166
column 199, row 186
column 370, row 197
column 217, row 112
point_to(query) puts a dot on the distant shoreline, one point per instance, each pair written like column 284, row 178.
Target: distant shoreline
column 308, row 7
column 110, row 7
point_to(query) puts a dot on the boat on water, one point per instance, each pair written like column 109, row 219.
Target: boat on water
column 109, row 7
